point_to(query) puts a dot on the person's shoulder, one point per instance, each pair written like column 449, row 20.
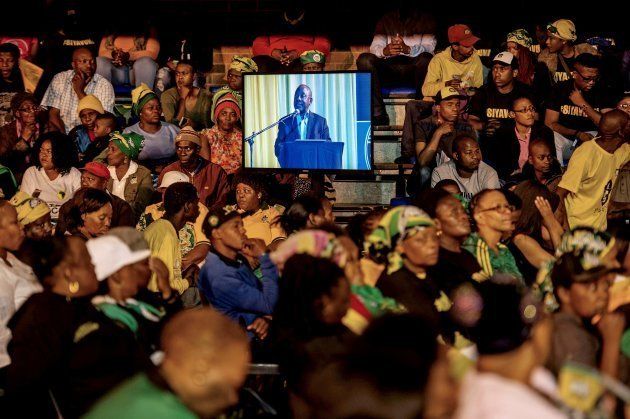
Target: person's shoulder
column 171, row 127
column 74, row 173
column 585, row 48
column 62, row 76
column 133, row 128
column 170, row 168
column 317, row 117
column 142, row 171
column 101, row 81
column 170, row 93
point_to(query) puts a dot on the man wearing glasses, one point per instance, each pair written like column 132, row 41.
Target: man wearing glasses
column 575, row 106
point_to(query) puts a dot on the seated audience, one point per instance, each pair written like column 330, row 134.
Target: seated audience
column 403, row 44
column 508, row 148
column 83, row 135
column 96, row 176
column 17, row 281
column 90, row 214
column 621, row 191
column 530, row 71
column 194, row 342
column 491, row 105
column 128, row 181
column 457, row 66
column 128, row 52
column 305, row 212
column 586, row 186
column 68, row 87
column 509, row 379
column 18, row 137
column 575, row 106
column 52, row 179
column 181, row 206
column 536, row 219
column 492, row 215
column 34, row 216
column 193, row 243
column 260, row 220
column 238, row 66
column 185, row 104
column 227, row 279
column 159, row 137
column 104, row 124
column 223, row 143
column 467, row 168
column 14, row 79
column 313, row 61
column 209, row 178
column 561, row 50
column 28, row 46
column 82, row 354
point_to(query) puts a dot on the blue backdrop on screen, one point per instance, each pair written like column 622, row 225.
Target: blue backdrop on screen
column 322, row 121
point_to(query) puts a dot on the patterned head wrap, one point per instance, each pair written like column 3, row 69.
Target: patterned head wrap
column 521, row 37
column 140, row 96
column 315, row 243
column 130, row 144
column 243, row 64
column 313, row 56
column 28, row 209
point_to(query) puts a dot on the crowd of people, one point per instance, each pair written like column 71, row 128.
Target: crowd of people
column 143, row 271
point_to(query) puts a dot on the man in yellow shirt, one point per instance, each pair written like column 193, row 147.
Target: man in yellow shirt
column 587, row 184
column 181, row 206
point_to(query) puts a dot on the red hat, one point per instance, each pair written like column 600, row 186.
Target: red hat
column 461, row 34
column 227, row 101
column 97, row 169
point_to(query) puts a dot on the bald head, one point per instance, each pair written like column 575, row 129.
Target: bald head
column 206, row 359
column 613, row 123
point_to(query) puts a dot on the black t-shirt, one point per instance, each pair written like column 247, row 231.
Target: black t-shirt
column 454, row 269
column 488, row 103
column 561, row 75
column 573, row 117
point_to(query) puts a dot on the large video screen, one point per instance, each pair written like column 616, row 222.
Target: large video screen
column 307, row 121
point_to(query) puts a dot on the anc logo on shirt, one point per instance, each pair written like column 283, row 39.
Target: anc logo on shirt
column 571, row 110
column 497, row 113
column 606, row 194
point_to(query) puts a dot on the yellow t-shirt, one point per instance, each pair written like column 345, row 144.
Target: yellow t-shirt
column 262, row 225
column 164, row 244
column 589, row 179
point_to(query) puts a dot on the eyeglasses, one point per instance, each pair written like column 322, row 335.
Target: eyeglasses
column 525, row 110
column 588, row 79
column 500, row 208
column 30, row 109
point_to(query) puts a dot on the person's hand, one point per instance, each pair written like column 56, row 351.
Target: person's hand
column 171, row 65
column 584, row 136
column 161, row 272
column 191, row 274
column 289, row 56
column 611, row 326
column 28, row 131
column 543, row 206
column 260, row 327
column 491, row 126
column 277, row 54
column 116, row 57
column 21, row 145
column 444, row 129
column 78, row 82
column 124, row 58
column 456, row 83
column 399, row 42
column 253, row 248
column 577, row 98
column 392, row 50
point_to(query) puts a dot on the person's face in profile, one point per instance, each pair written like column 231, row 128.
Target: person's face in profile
column 303, row 99
column 541, row 158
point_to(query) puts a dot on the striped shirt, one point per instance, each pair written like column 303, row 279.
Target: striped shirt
column 501, row 262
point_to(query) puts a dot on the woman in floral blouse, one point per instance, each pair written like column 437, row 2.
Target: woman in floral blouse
column 223, row 143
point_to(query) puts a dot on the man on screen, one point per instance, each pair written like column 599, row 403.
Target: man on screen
column 302, row 125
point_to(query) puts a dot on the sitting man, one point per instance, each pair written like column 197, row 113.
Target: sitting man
column 576, row 105
column 159, row 144
column 96, row 176
column 227, row 279
column 234, row 85
column 403, row 44
column 185, row 104
column 542, row 165
column 508, row 150
column 68, row 87
column 430, row 139
column 208, row 178
column 491, row 105
column 83, row 135
column 313, row 61
column 467, row 168
column 304, row 125
column 457, row 66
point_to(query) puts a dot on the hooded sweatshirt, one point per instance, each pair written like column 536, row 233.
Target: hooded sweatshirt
column 443, row 67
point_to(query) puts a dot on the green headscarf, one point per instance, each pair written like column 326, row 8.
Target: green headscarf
column 130, row 144
column 396, row 225
column 140, row 96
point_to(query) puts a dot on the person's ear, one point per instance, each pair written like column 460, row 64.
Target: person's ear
column 438, row 224
column 216, row 234
column 564, row 295
column 400, row 249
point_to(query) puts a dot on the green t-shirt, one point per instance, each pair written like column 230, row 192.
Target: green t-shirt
column 491, row 262
column 139, row 398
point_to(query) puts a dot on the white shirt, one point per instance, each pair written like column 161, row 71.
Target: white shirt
column 418, row 43
column 302, row 124
column 17, row 283
column 54, row 192
column 485, row 177
column 118, row 186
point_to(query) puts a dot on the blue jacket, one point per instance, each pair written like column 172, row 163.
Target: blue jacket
column 231, row 287
column 316, row 129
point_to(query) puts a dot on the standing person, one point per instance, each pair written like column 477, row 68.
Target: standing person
column 223, row 143
column 209, row 179
column 128, row 180
column 587, row 184
column 457, row 66
column 403, row 44
column 575, row 106
column 53, row 179
column 159, row 144
column 186, row 104
column 561, row 51
column 68, row 87
column 467, row 168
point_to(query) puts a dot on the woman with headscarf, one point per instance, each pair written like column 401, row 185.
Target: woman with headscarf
column 234, row 87
column 530, row 71
column 159, row 136
column 34, row 216
column 223, row 143
column 129, row 180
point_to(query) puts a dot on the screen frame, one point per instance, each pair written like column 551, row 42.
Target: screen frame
column 245, row 145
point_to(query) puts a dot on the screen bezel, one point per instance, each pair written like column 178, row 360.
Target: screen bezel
column 245, row 145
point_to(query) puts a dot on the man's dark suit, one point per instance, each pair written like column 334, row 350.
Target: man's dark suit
column 288, row 131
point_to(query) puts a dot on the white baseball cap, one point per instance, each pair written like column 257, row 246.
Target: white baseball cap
column 173, row 177
column 109, row 254
column 505, row 57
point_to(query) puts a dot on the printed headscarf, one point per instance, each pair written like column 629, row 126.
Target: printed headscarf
column 140, row 96
column 130, row 144
column 521, row 37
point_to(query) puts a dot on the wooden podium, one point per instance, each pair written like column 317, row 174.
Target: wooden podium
column 311, row 154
